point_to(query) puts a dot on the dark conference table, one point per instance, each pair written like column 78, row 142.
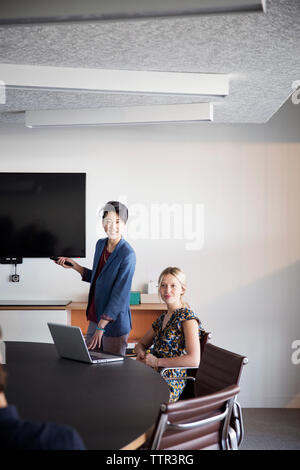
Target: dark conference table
column 110, row 405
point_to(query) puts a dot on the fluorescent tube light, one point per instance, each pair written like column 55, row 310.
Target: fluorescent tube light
column 120, row 115
column 113, row 81
column 31, row 11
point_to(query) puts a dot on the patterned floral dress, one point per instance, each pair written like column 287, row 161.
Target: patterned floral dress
column 170, row 342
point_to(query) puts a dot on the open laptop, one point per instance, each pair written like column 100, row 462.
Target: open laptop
column 70, row 344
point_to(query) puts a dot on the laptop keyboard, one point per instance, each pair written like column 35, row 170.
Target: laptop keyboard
column 96, row 355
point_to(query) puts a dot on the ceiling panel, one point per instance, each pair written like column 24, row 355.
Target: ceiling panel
column 260, row 52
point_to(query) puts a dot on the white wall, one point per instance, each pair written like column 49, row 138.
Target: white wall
column 31, row 325
column 244, row 281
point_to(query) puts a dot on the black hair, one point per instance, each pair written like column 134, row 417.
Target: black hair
column 118, row 207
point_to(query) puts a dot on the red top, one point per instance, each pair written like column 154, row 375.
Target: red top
column 91, row 313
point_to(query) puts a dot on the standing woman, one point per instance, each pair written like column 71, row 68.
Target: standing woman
column 175, row 335
column 108, row 310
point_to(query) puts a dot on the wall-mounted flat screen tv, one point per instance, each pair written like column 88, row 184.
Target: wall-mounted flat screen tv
column 42, row 214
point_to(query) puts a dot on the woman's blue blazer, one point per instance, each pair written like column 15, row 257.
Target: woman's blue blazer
column 113, row 285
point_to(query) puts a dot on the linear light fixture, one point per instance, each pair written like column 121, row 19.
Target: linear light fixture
column 120, row 115
column 113, row 81
column 32, row 11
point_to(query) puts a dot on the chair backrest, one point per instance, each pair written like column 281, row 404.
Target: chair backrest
column 195, row 424
column 218, row 369
column 205, row 337
column 188, row 391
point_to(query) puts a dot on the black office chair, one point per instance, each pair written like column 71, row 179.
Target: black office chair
column 195, row 424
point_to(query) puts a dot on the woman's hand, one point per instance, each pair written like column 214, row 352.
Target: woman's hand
column 146, row 358
column 151, row 360
column 140, row 352
column 96, row 340
column 143, row 345
column 62, row 262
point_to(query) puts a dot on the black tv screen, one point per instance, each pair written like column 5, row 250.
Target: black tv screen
column 42, row 214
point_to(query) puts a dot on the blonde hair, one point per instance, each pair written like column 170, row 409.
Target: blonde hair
column 181, row 278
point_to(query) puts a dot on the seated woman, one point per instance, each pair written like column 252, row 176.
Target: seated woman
column 175, row 335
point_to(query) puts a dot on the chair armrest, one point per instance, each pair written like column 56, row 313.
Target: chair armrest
column 200, row 422
column 162, row 373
